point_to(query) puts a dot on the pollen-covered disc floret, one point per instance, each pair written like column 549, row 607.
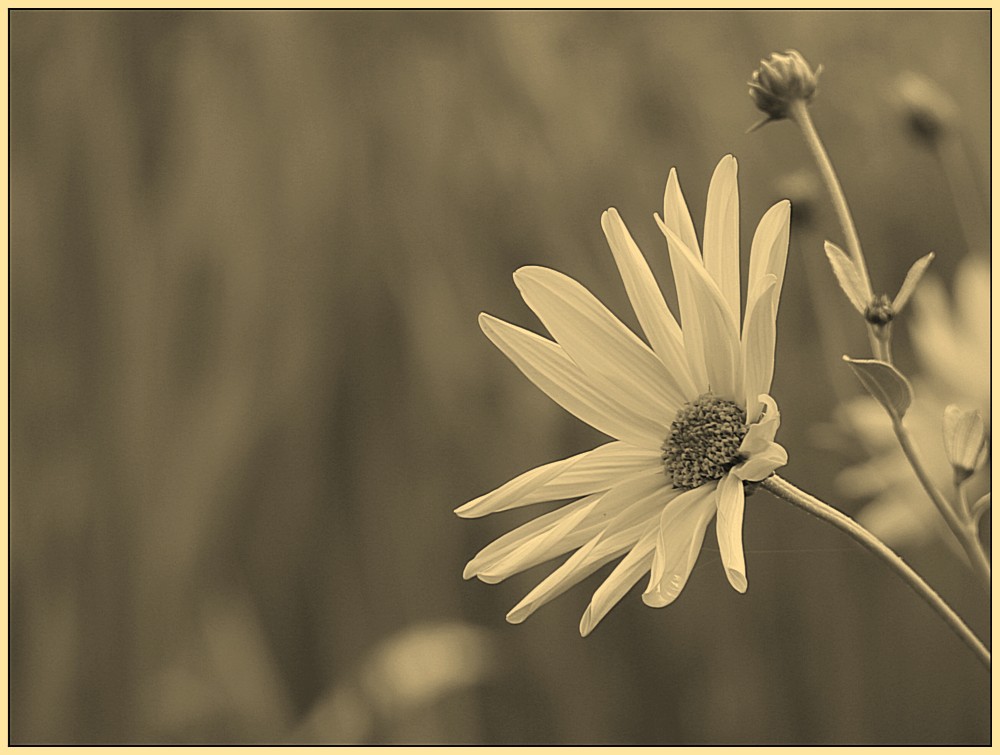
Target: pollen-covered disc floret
column 704, row 441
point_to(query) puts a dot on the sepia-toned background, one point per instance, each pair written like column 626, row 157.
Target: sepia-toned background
column 247, row 385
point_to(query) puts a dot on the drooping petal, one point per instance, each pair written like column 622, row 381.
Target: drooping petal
column 761, row 433
column 621, row 580
column 548, row 366
column 769, row 249
column 679, row 538
column 589, row 472
column 618, row 536
column 761, row 464
column 592, row 556
column 570, row 573
column 711, row 337
column 721, row 245
column 758, row 345
column 510, row 541
column 657, row 321
column 729, row 530
column 610, row 354
column 538, row 549
column 634, row 499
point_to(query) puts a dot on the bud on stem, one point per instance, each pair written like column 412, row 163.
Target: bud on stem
column 781, row 79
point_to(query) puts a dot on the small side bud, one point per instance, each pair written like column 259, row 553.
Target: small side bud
column 964, row 436
column 880, row 311
column 782, row 78
column 928, row 111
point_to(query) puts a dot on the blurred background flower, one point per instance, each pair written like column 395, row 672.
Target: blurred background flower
column 247, row 386
column 951, row 337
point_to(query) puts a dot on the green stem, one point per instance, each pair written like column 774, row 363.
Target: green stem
column 788, row 492
column 963, row 531
column 798, row 111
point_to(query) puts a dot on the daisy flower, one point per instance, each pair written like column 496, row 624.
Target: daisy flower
column 690, row 413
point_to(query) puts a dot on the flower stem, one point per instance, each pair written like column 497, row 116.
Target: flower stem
column 963, row 531
column 798, row 111
column 788, row 492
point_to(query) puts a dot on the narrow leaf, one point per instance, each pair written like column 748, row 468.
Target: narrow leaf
column 848, row 277
column 887, row 384
column 910, row 282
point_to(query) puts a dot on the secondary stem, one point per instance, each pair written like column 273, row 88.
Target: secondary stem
column 788, row 492
column 966, row 536
column 798, row 111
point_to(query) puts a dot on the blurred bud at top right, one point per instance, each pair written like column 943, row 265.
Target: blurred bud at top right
column 928, row 110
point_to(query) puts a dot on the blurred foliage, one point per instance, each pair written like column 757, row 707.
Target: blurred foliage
column 248, row 389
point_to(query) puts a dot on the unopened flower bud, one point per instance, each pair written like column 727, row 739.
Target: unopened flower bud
column 928, row 109
column 879, row 310
column 964, row 435
column 782, row 78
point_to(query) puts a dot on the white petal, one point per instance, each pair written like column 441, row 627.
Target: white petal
column 588, row 472
column 681, row 532
column 657, row 321
column 602, row 468
column 489, row 555
column 563, row 578
column 620, row 535
column 547, row 365
column 762, row 432
column 676, row 214
column 611, row 355
column 729, row 529
column 634, row 499
column 621, row 580
column 538, row 549
column 721, row 245
column 604, row 547
column 511, row 493
column 762, row 464
column 758, row 345
column 769, row 250
column 711, row 337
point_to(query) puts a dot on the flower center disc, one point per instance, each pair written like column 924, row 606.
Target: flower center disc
column 704, row 441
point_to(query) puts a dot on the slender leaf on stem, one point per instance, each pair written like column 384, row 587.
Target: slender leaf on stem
column 848, row 276
column 913, row 276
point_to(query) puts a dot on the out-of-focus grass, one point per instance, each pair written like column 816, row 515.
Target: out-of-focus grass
column 247, row 386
